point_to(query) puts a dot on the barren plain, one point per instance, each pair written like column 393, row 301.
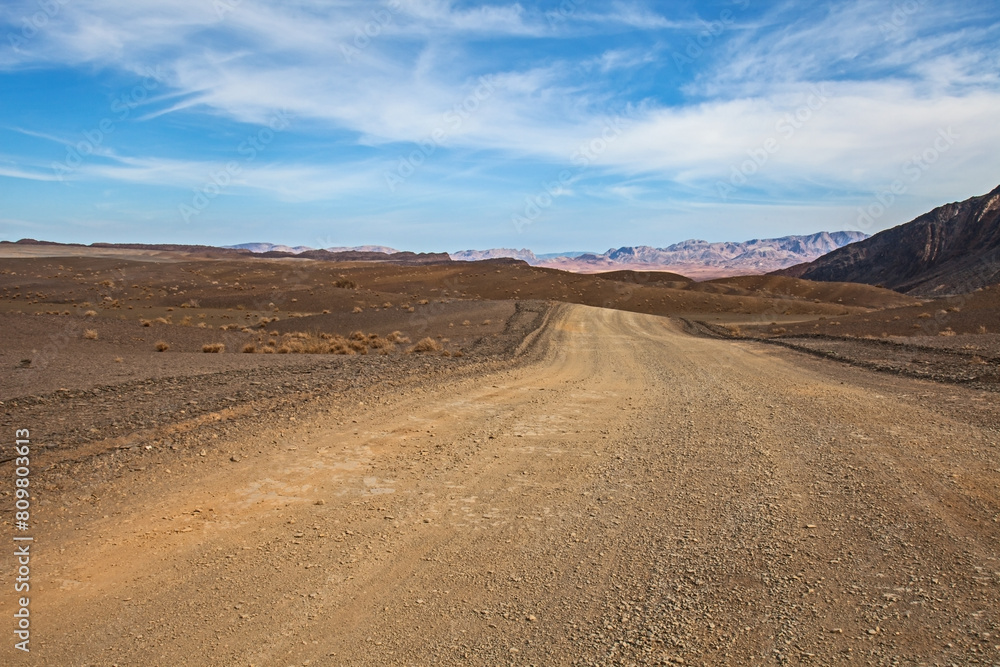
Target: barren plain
column 593, row 470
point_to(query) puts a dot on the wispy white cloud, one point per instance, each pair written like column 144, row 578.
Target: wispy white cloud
column 400, row 72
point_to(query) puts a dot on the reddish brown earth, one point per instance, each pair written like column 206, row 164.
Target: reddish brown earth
column 583, row 485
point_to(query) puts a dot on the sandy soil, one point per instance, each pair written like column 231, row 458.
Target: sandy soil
column 619, row 492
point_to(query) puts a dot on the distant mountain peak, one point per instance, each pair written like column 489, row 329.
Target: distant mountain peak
column 260, row 248
column 494, row 253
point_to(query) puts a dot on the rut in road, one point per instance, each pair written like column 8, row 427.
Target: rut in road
column 628, row 495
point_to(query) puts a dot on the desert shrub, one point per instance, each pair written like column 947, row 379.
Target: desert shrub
column 423, row 302
column 946, row 332
column 344, row 283
column 486, row 323
column 426, row 345
column 213, row 348
column 161, row 320
column 924, row 316
column 90, row 313
column 397, row 337
column 466, row 323
column 249, row 348
column 378, row 343
column 90, row 334
column 357, row 309
column 202, row 325
column 162, row 346
column 982, row 329
column 185, row 321
column 145, row 323
column 358, row 335
column 340, row 347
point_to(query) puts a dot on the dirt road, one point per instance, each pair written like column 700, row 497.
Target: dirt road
column 628, row 495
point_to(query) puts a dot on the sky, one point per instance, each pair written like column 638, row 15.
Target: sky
column 432, row 125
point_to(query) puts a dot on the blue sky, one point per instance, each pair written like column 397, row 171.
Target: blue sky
column 437, row 125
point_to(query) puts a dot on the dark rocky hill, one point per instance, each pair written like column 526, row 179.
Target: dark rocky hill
column 951, row 250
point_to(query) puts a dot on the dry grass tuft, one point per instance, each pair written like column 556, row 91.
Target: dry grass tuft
column 90, row 334
column 357, row 309
column 426, row 345
column 249, row 348
column 213, row 348
column 162, row 346
column 924, row 316
column 982, row 329
column 90, row 313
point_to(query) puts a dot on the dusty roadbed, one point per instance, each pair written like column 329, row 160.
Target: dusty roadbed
column 623, row 493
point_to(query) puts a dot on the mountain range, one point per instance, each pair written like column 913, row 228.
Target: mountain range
column 694, row 258
column 953, row 249
column 260, row 248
